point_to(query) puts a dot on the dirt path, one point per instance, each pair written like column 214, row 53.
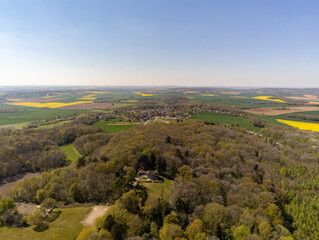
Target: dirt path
column 97, row 211
column 7, row 184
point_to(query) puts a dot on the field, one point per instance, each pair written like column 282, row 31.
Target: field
column 34, row 114
column 278, row 111
column 71, row 153
column 301, row 125
column 113, row 125
column 225, row 119
column 66, row 227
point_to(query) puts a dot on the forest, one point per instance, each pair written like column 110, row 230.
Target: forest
column 228, row 183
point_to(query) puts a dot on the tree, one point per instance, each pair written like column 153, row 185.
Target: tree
column 241, row 232
column 37, row 218
column 195, row 230
column 170, row 231
column 49, row 203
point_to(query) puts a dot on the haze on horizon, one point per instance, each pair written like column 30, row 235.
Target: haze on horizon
column 160, row 42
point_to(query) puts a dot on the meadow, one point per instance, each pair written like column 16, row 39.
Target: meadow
column 66, row 227
column 71, row 153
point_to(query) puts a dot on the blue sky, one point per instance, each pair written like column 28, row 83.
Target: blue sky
column 160, row 42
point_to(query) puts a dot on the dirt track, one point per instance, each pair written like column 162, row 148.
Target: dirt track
column 276, row 111
column 97, row 211
column 10, row 183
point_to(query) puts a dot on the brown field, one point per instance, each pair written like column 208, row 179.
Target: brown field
column 276, row 111
column 9, row 183
column 232, row 92
column 306, row 97
column 88, row 106
column 313, row 103
column 97, row 211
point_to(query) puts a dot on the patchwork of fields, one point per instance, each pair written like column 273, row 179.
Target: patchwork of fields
column 35, row 107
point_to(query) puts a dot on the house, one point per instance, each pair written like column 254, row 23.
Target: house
column 148, row 175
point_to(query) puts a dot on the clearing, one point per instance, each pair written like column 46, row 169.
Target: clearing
column 97, row 211
column 158, row 190
column 71, row 153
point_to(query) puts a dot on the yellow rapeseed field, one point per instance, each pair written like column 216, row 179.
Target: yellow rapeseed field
column 208, row 94
column 269, row 98
column 13, row 100
column 301, row 125
column 48, row 104
column 88, row 97
column 144, row 94
column 190, row 92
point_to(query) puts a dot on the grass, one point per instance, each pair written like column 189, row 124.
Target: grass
column 121, row 104
column 66, row 227
column 111, row 127
column 158, row 190
column 71, row 153
column 225, row 119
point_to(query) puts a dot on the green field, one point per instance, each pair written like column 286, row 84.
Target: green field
column 71, row 153
column 111, row 127
column 225, row 119
column 35, row 114
column 158, row 190
column 66, row 227
column 235, row 101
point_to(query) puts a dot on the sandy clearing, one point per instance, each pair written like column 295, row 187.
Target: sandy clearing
column 26, row 208
column 88, row 106
column 9, row 183
column 97, row 211
column 276, row 111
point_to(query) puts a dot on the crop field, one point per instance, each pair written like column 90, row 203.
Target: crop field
column 71, row 153
column 279, row 111
column 47, row 104
column 34, row 114
column 225, row 119
column 66, row 227
column 269, row 98
column 236, row 100
column 301, row 125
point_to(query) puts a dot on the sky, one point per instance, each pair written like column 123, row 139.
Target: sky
column 246, row 43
